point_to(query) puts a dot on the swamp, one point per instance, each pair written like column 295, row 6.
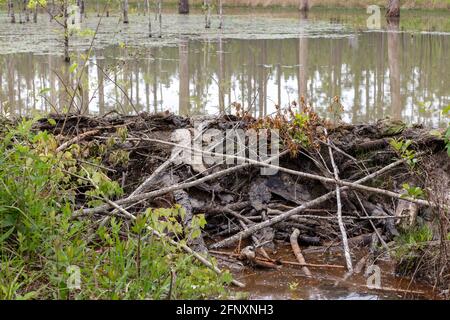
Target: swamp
column 224, row 149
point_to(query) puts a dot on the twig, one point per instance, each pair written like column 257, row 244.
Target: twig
column 348, row 258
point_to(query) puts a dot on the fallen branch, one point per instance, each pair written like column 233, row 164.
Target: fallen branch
column 78, row 138
column 297, row 252
column 244, row 234
column 283, row 262
column 348, row 258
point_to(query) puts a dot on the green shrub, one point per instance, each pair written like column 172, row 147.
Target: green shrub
column 41, row 244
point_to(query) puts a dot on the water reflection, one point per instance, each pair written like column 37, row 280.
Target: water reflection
column 376, row 74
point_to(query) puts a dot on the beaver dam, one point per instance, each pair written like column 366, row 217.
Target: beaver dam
column 338, row 211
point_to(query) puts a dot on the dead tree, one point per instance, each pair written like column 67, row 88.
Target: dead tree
column 26, row 12
column 147, row 9
column 35, row 14
column 183, row 6
column 304, row 5
column 11, row 12
column 220, row 14
column 207, row 8
column 393, row 9
column 159, row 17
column 125, row 11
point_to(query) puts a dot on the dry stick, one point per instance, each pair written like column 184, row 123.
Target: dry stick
column 177, row 244
column 307, row 205
column 372, row 224
column 306, row 175
column 78, row 138
column 297, row 252
column 284, row 262
column 175, row 187
column 348, row 258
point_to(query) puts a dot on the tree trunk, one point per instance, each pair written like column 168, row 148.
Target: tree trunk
column 13, row 16
column 26, row 12
column 160, row 17
column 207, row 5
column 304, row 5
column 183, row 6
column 393, row 9
column 35, row 14
column 147, row 8
column 220, row 14
column 125, row 11
column 66, row 31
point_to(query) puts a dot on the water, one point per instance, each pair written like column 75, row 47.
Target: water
column 261, row 59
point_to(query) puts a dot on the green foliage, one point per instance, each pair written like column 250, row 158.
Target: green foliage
column 447, row 140
column 300, row 135
column 402, row 147
column 41, row 243
column 412, row 192
column 412, row 238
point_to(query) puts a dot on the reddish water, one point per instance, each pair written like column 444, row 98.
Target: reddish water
column 290, row 282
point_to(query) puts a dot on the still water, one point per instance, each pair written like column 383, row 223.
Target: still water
column 258, row 60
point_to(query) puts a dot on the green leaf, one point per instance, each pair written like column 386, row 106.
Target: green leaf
column 44, row 91
column 73, row 67
column 446, row 110
column 6, row 235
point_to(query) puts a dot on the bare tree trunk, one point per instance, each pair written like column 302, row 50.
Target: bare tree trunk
column 160, row 18
column 207, row 5
column 66, row 31
column 304, row 5
column 220, row 14
column 149, row 18
column 26, row 12
column 12, row 14
column 183, row 6
column 393, row 8
column 125, row 11
column 35, row 13
column 146, row 6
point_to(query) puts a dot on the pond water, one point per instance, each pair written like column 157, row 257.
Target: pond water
column 327, row 283
column 260, row 59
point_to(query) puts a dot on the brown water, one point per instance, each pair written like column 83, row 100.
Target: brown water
column 279, row 57
column 290, row 282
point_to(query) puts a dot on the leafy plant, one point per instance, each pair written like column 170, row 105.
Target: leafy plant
column 447, row 140
column 41, row 241
column 402, row 147
column 413, row 192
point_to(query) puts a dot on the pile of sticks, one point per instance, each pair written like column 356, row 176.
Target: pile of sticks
column 343, row 192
